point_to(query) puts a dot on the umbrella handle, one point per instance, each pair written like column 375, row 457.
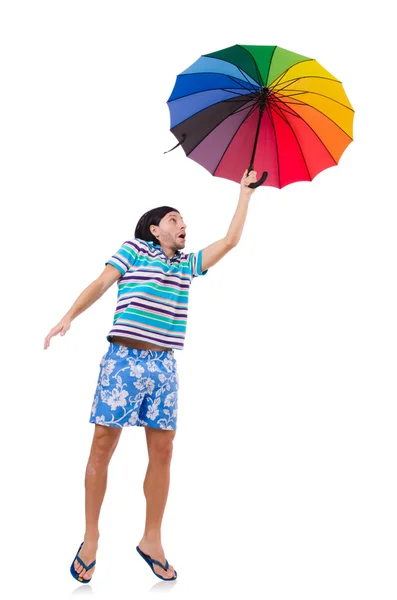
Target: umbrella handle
column 261, row 180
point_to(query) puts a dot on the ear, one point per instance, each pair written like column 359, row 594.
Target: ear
column 153, row 231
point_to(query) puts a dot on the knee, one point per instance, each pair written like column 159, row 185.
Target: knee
column 102, row 448
column 161, row 452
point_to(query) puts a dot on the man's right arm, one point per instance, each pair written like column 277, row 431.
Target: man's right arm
column 91, row 294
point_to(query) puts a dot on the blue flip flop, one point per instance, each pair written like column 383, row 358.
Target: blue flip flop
column 73, row 570
column 151, row 561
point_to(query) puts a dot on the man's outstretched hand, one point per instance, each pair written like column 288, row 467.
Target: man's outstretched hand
column 245, row 181
column 62, row 327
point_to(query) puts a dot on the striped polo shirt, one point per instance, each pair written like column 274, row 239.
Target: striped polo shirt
column 153, row 293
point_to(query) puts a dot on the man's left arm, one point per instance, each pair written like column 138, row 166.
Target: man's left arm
column 214, row 252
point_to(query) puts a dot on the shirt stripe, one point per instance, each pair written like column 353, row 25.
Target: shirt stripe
column 153, row 293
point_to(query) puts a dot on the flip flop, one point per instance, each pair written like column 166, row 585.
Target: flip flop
column 151, row 561
column 73, row 570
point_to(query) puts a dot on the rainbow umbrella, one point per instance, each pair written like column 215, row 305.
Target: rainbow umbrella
column 263, row 106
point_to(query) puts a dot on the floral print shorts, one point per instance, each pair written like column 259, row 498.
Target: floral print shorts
column 136, row 387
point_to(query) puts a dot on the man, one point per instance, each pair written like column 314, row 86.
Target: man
column 138, row 380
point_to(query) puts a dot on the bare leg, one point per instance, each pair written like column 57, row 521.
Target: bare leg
column 156, row 486
column 103, row 445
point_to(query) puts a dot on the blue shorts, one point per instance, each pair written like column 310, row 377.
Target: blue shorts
column 136, row 387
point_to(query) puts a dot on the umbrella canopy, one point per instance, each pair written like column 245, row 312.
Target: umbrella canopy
column 261, row 107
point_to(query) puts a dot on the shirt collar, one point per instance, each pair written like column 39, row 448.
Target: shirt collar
column 177, row 252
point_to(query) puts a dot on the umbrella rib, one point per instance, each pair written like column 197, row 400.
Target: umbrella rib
column 260, row 82
column 250, row 89
column 274, row 106
column 290, row 81
column 275, row 88
column 249, row 83
column 316, row 134
column 300, row 147
column 230, row 90
column 280, row 77
column 235, row 79
column 275, row 139
column 234, row 65
column 321, row 113
column 270, row 64
column 211, row 105
column 275, row 101
column 243, row 108
column 300, row 92
column 233, row 136
column 217, row 124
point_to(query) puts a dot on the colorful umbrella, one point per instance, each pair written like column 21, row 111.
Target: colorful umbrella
column 263, row 105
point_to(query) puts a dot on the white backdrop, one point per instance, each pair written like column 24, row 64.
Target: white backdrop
column 283, row 475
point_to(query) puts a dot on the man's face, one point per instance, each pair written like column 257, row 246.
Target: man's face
column 171, row 231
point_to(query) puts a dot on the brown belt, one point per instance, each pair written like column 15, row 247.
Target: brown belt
column 131, row 343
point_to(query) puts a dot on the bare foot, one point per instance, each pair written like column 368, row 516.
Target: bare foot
column 87, row 554
column 156, row 552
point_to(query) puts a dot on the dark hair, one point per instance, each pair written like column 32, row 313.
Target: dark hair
column 152, row 217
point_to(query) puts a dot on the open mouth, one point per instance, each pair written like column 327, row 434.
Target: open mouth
column 182, row 236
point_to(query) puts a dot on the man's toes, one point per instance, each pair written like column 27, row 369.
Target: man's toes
column 81, row 570
column 77, row 566
column 160, row 571
column 170, row 573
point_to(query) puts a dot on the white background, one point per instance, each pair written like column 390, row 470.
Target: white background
column 283, row 480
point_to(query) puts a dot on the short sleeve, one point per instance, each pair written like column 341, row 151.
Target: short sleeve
column 195, row 260
column 126, row 256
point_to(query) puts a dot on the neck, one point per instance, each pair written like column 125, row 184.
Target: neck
column 168, row 251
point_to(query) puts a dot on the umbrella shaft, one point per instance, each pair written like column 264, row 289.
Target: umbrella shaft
column 261, row 109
